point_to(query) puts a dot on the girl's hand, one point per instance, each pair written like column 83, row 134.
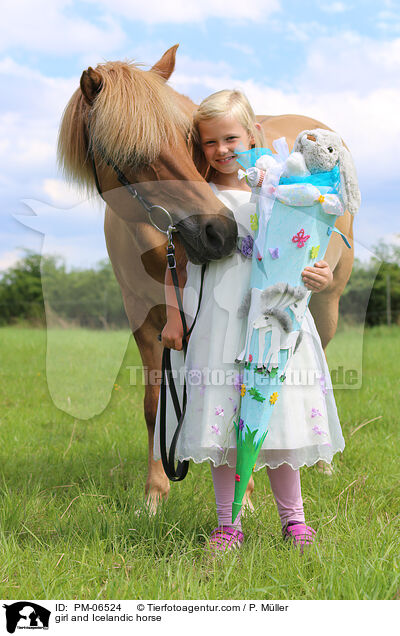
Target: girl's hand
column 318, row 277
column 172, row 334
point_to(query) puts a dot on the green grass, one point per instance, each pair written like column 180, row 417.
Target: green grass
column 73, row 521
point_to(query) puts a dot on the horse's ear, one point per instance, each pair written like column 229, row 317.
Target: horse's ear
column 166, row 64
column 90, row 84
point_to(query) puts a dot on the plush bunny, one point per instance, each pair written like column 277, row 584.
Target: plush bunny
column 321, row 150
column 315, row 151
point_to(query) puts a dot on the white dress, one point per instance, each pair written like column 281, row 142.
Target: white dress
column 304, row 427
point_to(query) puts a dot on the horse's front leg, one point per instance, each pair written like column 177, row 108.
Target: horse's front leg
column 157, row 483
column 247, row 503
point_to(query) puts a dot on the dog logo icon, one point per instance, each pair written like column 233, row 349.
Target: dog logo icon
column 26, row 615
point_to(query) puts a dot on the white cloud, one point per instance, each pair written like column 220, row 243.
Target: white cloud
column 351, row 61
column 49, row 26
column 242, row 48
column 9, row 259
column 61, row 193
column 186, row 11
column 31, row 113
column 392, row 239
column 335, row 7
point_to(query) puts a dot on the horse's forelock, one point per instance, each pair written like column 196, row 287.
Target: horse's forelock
column 72, row 149
column 134, row 114
column 132, row 117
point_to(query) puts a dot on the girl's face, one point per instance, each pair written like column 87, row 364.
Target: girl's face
column 219, row 137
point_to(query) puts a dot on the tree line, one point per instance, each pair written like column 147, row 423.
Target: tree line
column 92, row 298
column 82, row 297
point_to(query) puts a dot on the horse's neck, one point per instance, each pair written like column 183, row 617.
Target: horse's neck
column 185, row 103
column 288, row 126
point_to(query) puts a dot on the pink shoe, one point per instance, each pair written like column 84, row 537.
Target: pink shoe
column 300, row 534
column 225, row 538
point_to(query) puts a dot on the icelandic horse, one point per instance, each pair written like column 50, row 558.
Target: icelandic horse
column 135, row 119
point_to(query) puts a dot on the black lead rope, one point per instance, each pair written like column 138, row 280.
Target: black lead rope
column 168, row 458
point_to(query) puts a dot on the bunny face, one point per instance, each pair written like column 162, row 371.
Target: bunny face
column 321, row 150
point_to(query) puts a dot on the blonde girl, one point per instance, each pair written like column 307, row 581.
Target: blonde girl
column 223, row 122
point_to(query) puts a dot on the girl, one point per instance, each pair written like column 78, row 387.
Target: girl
column 224, row 121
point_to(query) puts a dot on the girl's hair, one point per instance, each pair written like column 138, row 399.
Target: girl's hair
column 221, row 104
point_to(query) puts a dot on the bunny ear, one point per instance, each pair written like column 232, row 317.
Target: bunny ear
column 348, row 181
column 298, row 146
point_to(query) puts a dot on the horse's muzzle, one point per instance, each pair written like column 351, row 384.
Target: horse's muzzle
column 208, row 237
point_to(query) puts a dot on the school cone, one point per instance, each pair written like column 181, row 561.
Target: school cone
column 296, row 230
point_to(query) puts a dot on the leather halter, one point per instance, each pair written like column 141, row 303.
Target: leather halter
column 128, row 186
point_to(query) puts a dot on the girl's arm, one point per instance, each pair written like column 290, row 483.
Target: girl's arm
column 318, row 277
column 172, row 334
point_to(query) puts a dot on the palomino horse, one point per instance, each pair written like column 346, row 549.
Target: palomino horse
column 134, row 119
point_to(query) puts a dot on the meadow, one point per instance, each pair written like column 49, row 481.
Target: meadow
column 73, row 518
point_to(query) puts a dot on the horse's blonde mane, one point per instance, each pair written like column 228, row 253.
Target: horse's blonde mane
column 132, row 117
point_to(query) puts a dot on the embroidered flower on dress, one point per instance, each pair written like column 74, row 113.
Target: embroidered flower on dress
column 322, row 383
column 315, row 413
column 242, row 390
column 318, row 431
column 246, row 246
column 215, row 429
column 241, row 425
column 237, row 382
column 233, row 404
column 237, row 477
column 300, row 238
column 219, row 410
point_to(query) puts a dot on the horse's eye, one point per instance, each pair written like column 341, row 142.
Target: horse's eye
column 295, row 305
column 330, row 149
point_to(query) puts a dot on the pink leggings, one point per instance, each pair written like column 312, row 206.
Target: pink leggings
column 285, row 485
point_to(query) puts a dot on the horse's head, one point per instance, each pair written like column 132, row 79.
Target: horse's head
column 131, row 118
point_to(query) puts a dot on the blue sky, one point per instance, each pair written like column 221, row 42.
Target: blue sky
column 338, row 62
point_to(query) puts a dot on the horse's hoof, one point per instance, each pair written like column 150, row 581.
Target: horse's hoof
column 324, row 468
column 247, row 505
column 153, row 501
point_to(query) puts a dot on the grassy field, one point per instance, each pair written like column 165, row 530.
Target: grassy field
column 73, row 521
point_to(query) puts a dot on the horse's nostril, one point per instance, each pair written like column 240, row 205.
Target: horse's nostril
column 213, row 236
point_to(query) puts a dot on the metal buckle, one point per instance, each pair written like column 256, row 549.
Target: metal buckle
column 171, row 228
